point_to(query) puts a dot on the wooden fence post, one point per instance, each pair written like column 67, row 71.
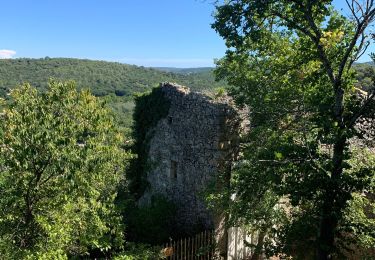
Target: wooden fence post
column 197, row 247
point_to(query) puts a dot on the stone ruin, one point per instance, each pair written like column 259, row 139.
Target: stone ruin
column 366, row 124
column 189, row 148
column 195, row 142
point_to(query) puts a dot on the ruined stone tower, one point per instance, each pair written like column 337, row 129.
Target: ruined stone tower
column 189, row 147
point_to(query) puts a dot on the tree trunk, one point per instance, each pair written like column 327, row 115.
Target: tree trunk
column 327, row 234
column 26, row 238
column 259, row 248
column 332, row 205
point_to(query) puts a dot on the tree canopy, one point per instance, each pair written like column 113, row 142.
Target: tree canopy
column 61, row 161
column 303, row 172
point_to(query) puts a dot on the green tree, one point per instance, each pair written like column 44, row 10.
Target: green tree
column 291, row 63
column 61, row 162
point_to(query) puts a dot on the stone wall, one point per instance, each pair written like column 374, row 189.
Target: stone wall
column 196, row 141
column 366, row 125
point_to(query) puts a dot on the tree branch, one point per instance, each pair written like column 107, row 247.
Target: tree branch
column 318, row 35
column 368, row 16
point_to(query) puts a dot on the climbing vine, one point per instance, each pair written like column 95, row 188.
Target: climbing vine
column 149, row 109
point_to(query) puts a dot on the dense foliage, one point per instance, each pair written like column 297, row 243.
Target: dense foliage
column 60, row 164
column 303, row 183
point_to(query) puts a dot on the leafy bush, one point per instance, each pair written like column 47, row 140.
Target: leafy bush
column 60, row 162
column 152, row 224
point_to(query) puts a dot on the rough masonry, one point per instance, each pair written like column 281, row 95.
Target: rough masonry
column 189, row 148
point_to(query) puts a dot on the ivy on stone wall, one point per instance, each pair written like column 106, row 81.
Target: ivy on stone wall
column 149, row 109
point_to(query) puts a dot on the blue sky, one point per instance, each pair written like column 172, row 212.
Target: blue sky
column 173, row 33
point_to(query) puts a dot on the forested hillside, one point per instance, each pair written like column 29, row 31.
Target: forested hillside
column 116, row 82
column 365, row 74
column 101, row 77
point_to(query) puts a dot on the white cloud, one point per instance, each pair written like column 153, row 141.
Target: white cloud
column 7, row 54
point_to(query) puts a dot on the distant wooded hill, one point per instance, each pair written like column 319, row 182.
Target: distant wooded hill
column 205, row 70
column 365, row 74
column 116, row 82
column 101, row 77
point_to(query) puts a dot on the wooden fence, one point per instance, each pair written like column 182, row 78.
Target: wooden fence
column 237, row 248
column 198, row 247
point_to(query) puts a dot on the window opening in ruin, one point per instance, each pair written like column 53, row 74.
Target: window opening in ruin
column 170, row 119
column 173, row 172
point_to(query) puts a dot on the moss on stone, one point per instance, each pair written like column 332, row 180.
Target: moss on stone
column 149, row 109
